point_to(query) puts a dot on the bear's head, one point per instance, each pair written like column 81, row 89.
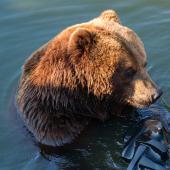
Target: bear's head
column 88, row 70
column 103, row 57
column 110, row 60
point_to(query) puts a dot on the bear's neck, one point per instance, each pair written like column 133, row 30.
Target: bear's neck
column 63, row 101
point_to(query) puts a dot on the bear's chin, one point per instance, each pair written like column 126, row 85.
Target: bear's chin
column 139, row 104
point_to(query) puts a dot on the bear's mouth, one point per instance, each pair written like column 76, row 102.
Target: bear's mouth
column 140, row 104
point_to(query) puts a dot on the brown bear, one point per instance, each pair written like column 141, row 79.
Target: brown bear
column 89, row 70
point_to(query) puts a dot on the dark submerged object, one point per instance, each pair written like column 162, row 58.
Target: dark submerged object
column 148, row 149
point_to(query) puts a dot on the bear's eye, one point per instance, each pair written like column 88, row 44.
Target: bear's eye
column 130, row 72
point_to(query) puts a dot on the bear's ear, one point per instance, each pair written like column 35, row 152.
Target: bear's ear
column 80, row 41
column 110, row 15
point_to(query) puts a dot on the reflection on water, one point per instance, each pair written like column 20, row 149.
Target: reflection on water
column 98, row 147
column 25, row 26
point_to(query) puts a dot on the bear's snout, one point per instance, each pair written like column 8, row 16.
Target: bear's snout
column 154, row 91
column 155, row 96
column 144, row 91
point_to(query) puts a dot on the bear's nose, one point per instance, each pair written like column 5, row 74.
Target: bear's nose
column 156, row 95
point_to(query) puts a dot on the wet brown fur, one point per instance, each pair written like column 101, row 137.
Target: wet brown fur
column 74, row 78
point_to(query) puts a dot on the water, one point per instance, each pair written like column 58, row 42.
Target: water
column 25, row 26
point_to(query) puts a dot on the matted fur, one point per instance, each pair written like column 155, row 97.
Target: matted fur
column 79, row 75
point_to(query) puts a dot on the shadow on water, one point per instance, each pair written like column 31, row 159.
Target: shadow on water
column 94, row 148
